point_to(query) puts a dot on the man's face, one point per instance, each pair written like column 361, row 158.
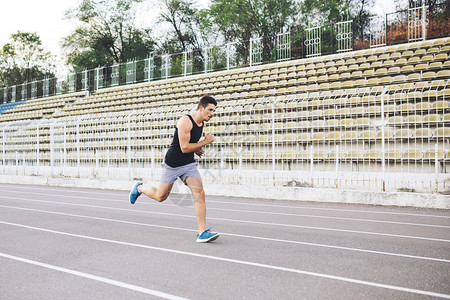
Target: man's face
column 208, row 111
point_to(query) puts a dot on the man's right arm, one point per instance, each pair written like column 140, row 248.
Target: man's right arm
column 184, row 126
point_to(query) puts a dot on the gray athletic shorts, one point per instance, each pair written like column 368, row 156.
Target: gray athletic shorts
column 169, row 174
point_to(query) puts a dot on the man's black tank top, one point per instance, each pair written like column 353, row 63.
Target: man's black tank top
column 174, row 157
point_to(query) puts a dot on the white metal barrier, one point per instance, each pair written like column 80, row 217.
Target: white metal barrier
column 394, row 138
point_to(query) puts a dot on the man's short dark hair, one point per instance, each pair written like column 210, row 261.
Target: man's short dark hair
column 205, row 100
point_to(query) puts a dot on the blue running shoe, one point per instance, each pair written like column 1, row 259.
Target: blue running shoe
column 134, row 193
column 207, row 236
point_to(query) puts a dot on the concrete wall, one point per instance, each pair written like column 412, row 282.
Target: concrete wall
column 410, row 199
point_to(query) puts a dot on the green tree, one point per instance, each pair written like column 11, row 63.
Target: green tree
column 325, row 13
column 23, row 58
column 361, row 14
column 315, row 12
column 186, row 25
column 107, row 34
column 239, row 20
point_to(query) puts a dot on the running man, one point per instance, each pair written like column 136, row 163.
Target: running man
column 179, row 162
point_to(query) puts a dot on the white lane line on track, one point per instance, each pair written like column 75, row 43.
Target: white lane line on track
column 235, row 220
column 334, row 209
column 93, row 277
column 108, row 192
column 233, row 234
column 242, row 262
column 254, row 211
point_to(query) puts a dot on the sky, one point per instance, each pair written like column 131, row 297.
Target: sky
column 46, row 17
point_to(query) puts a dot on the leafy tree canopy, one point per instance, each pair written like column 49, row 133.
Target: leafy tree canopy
column 107, row 34
column 23, row 58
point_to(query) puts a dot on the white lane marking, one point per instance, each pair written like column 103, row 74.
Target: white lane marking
column 243, row 262
column 233, row 234
column 116, row 193
column 254, row 211
column 235, row 220
column 93, row 277
column 333, row 209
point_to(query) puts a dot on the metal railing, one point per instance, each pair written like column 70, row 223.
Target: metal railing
column 297, row 42
column 391, row 138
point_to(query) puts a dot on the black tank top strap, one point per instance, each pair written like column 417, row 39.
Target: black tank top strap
column 193, row 122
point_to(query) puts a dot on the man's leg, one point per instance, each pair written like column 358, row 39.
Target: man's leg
column 159, row 194
column 196, row 186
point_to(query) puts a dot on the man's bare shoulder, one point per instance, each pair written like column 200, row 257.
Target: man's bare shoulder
column 184, row 123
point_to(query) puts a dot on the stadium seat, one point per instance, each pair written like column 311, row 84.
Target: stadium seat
column 367, row 134
column 380, row 72
column 444, row 93
column 372, row 58
column 433, row 50
column 388, row 134
column 358, row 111
column 443, row 132
column 405, row 107
column 376, row 65
column 332, row 123
column 350, row 122
column 317, row 123
column 390, row 108
column 446, row 118
column 343, row 111
column 355, row 154
column 333, row 155
column 423, row 133
column 291, row 124
column 290, row 137
column 441, row 56
column 428, row 75
column 420, row 52
column 430, row 94
column 374, row 110
column 260, row 155
column 373, row 154
column 251, row 138
column 368, row 73
column 393, row 154
column 403, row 133
column 303, row 124
column 304, row 137
column 350, row 135
column 247, row 154
column 413, row 77
column 395, row 120
column 413, row 119
column 320, row 154
column 440, row 104
column 431, row 118
column 362, row 122
column 289, row 155
column 354, row 100
column 430, row 154
column 427, row 58
column 413, row 154
column 329, row 112
column 435, row 65
column 318, row 136
column 409, row 67
column 334, row 136
column 393, row 70
column 263, row 138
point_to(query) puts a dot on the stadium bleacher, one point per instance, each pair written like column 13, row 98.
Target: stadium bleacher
column 396, row 97
column 6, row 106
column 48, row 107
